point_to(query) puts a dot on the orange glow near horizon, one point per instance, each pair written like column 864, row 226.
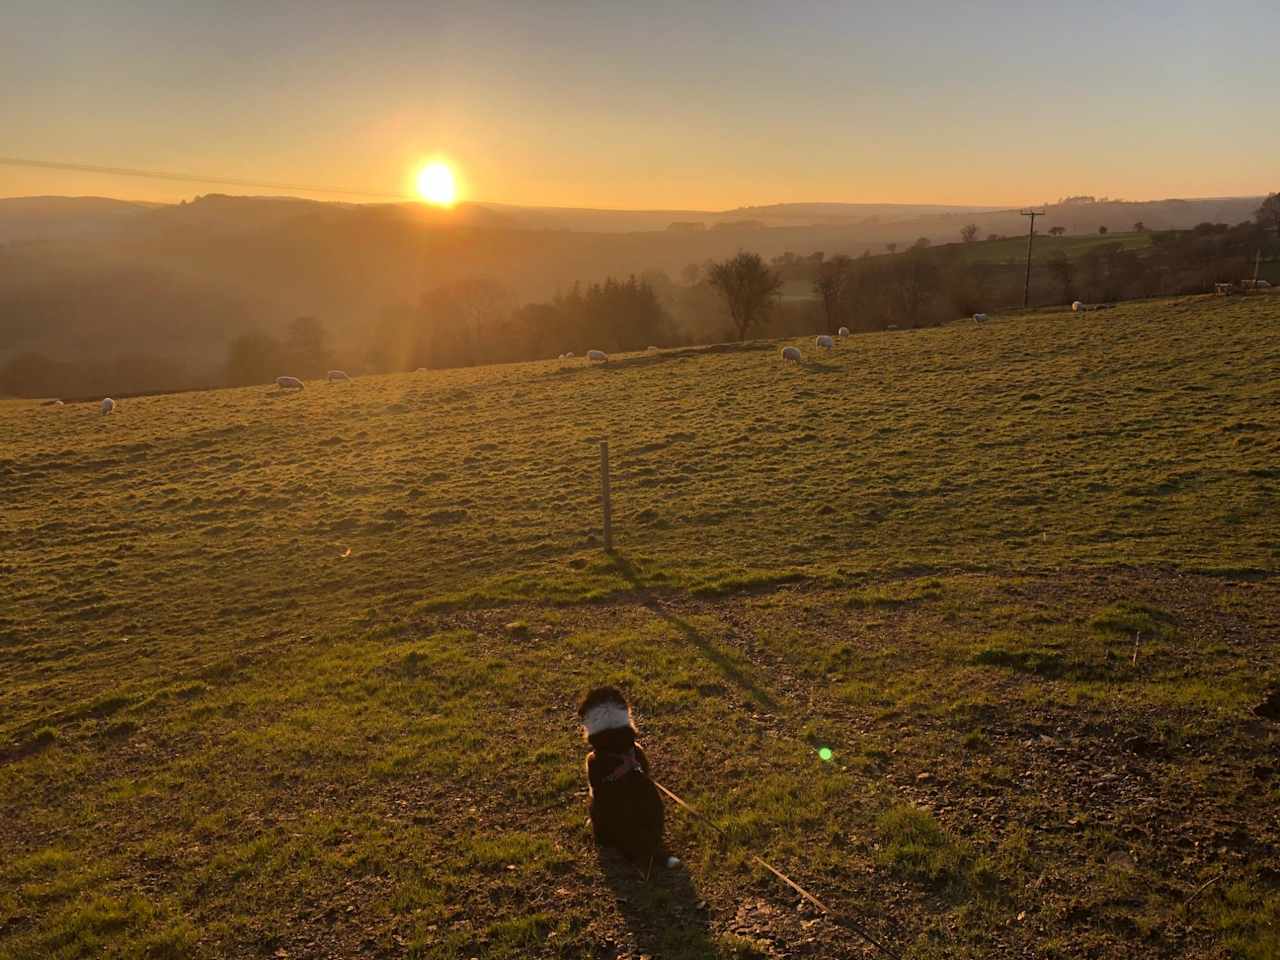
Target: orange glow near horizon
column 626, row 110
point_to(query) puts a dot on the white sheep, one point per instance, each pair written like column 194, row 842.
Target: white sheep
column 597, row 356
column 980, row 318
column 823, row 341
column 337, row 375
column 288, row 383
column 1076, row 306
column 651, row 349
column 842, row 332
column 107, row 406
column 791, row 353
column 569, row 355
column 52, row 403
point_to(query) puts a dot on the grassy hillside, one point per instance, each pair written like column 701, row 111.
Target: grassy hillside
column 1047, row 247
column 293, row 674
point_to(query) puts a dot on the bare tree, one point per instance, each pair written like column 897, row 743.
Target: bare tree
column 306, row 347
column 749, row 288
column 1063, row 270
column 829, row 285
column 912, row 286
column 969, row 232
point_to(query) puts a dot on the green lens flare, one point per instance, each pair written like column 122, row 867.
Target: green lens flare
column 825, row 754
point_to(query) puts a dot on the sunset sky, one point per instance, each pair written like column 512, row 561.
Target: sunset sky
column 629, row 105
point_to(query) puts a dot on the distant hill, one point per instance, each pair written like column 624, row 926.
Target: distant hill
column 92, row 277
column 769, row 216
column 26, row 219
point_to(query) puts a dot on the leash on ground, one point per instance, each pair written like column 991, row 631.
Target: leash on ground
column 840, row 921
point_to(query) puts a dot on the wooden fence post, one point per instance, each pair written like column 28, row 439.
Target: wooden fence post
column 604, row 496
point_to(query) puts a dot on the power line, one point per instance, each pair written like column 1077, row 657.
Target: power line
column 194, row 178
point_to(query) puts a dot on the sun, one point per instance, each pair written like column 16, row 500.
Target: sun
column 435, row 184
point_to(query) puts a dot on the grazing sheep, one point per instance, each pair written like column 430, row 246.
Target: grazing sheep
column 1077, row 306
column 569, row 355
column 791, row 353
column 842, row 332
column 337, row 375
column 107, row 406
column 52, row 403
column 651, row 349
column 597, row 356
column 980, row 318
column 288, row 383
column 824, row 341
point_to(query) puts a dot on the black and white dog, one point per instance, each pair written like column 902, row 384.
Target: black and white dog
column 626, row 810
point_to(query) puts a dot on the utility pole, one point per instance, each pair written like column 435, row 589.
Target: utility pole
column 1031, row 235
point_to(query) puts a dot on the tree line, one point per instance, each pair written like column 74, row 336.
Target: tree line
column 478, row 322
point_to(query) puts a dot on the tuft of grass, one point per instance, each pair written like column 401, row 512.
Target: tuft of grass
column 915, row 846
column 41, row 739
column 745, row 582
column 977, row 742
column 129, row 927
column 893, row 595
column 732, row 946
column 1127, row 618
column 524, row 851
column 1248, row 916
column 1043, row 663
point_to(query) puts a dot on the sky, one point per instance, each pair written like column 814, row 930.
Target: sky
column 709, row 105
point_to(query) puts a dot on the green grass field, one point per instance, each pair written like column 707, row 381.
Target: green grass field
column 1046, row 247
column 293, row 675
